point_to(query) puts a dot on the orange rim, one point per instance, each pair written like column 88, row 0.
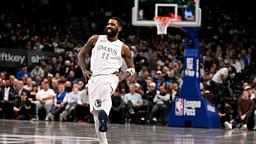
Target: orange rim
column 163, row 19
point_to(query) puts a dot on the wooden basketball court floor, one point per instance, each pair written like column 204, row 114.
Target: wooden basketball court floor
column 41, row 132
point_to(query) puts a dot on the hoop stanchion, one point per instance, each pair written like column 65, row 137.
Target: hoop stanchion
column 190, row 108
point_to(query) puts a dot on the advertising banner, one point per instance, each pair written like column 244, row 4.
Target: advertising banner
column 36, row 56
column 11, row 58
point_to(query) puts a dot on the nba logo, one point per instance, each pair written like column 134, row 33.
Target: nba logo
column 179, row 107
column 97, row 103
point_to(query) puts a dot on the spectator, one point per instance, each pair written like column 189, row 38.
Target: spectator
column 226, row 112
column 33, row 92
column 123, row 88
column 54, row 84
column 70, row 102
column 149, row 97
column 134, row 102
column 37, row 71
column 174, row 90
column 71, row 77
column 139, row 89
column 117, row 113
column 82, row 111
column 66, row 68
column 38, row 80
column 57, row 107
column 7, row 99
column 81, row 85
column 245, row 111
column 23, row 108
column 44, row 99
column 68, row 86
column 161, row 103
column 3, row 75
column 21, row 88
column 23, row 72
column 133, row 99
column 245, row 57
column 218, row 82
column 28, row 84
column 208, row 95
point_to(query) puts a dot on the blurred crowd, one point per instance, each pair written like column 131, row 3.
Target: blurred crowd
column 55, row 89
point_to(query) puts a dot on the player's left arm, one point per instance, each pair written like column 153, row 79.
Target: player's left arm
column 126, row 54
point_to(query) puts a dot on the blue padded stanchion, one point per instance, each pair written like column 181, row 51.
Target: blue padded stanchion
column 190, row 108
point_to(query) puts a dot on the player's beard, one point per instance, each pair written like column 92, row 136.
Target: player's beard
column 111, row 32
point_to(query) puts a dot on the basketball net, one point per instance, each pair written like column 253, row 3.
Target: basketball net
column 162, row 23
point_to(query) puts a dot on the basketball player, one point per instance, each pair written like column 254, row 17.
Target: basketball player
column 106, row 52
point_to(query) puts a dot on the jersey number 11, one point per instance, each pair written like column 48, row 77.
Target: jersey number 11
column 105, row 56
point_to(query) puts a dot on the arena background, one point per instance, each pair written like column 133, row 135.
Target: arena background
column 47, row 35
column 31, row 31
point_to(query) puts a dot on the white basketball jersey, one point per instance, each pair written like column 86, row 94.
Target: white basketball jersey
column 106, row 57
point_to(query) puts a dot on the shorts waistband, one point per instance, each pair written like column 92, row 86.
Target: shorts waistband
column 114, row 73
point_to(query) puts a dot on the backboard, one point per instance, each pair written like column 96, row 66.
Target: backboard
column 185, row 13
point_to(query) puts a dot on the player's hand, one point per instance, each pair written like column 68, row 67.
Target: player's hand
column 120, row 75
column 87, row 74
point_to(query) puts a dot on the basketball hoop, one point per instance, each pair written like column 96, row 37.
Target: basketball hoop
column 162, row 23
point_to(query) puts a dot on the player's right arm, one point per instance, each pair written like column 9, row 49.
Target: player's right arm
column 84, row 53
